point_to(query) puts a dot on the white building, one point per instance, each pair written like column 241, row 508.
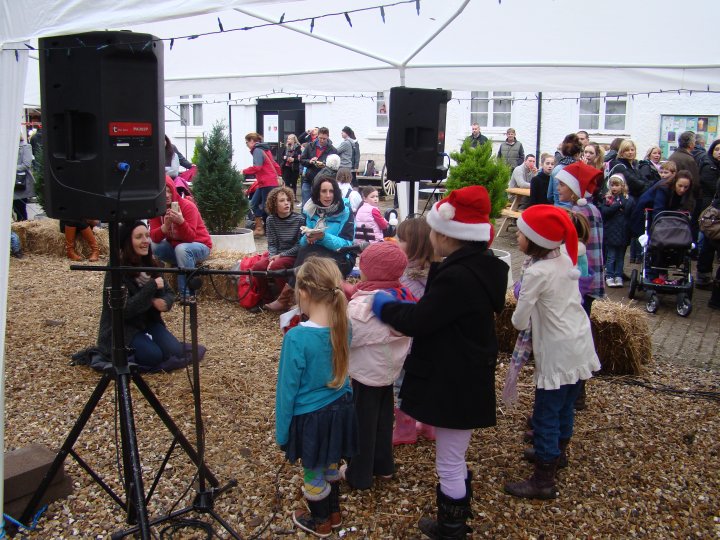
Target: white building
column 646, row 119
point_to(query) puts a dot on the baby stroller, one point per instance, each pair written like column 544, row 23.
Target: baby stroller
column 666, row 261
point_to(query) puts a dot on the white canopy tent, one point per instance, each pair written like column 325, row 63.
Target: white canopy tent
column 518, row 45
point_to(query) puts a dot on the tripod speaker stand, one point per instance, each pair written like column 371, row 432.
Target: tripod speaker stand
column 205, row 498
column 121, row 373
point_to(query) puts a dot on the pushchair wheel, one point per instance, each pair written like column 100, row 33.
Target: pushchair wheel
column 652, row 304
column 684, row 305
column 633, row 284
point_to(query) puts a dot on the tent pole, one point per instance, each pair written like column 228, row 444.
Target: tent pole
column 539, row 128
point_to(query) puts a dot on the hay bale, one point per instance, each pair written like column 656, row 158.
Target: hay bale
column 43, row 237
column 621, row 335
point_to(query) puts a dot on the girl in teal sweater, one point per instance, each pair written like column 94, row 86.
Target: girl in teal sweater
column 314, row 413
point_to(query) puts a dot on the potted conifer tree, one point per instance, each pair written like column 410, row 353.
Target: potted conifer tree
column 479, row 167
column 218, row 191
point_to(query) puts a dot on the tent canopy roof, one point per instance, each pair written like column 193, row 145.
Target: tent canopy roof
column 519, row 45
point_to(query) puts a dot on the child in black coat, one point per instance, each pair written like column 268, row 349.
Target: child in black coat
column 449, row 378
column 616, row 209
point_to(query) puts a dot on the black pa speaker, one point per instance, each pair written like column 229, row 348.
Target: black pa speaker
column 415, row 144
column 103, row 125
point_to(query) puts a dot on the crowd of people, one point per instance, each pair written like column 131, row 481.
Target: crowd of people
column 360, row 357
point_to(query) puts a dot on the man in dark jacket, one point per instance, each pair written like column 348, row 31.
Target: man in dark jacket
column 313, row 159
column 476, row 138
column 684, row 160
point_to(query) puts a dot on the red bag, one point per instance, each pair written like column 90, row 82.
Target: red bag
column 248, row 289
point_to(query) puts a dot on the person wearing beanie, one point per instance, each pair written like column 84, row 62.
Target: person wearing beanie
column 449, row 378
column 349, row 152
column 616, row 209
column 377, row 353
column 560, row 337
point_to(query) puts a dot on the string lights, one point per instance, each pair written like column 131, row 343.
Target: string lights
column 332, row 97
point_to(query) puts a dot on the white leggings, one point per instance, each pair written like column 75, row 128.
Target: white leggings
column 450, row 448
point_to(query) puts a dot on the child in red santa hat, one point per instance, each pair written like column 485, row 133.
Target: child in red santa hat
column 562, row 342
column 449, row 378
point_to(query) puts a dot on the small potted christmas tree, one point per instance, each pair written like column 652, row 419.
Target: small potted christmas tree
column 478, row 167
column 218, row 191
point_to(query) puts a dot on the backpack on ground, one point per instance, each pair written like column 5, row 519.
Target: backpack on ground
column 249, row 294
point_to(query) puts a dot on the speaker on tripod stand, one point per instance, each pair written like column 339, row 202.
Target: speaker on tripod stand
column 102, row 96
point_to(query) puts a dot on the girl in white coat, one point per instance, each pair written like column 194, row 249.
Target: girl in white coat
column 562, row 341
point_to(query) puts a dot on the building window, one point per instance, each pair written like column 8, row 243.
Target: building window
column 191, row 112
column 603, row 110
column 495, row 107
column 381, row 110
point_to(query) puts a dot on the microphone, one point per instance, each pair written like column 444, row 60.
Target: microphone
column 355, row 248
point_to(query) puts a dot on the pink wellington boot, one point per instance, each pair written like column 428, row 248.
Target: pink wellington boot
column 404, row 431
column 425, row 430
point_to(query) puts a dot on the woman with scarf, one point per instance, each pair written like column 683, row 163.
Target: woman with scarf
column 329, row 226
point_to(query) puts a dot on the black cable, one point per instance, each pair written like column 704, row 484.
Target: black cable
column 169, row 530
column 662, row 388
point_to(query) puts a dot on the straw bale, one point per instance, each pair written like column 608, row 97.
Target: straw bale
column 43, row 237
column 506, row 332
column 622, row 337
column 620, row 332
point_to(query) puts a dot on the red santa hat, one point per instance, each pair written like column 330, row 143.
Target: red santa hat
column 464, row 215
column 548, row 227
column 581, row 178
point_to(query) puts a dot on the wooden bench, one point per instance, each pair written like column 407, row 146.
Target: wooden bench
column 513, row 211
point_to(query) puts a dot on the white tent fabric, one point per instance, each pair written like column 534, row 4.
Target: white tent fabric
column 515, row 45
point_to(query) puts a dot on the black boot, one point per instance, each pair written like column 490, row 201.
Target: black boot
column 452, row 515
column 317, row 521
column 335, row 514
column 541, row 485
column 529, row 454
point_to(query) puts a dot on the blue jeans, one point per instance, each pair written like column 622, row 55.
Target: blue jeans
column 615, row 261
column 553, row 417
column 305, row 191
column 14, row 243
column 258, row 201
column 151, row 351
column 183, row 256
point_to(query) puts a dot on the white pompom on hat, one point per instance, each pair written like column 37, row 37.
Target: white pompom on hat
column 463, row 215
column 581, row 178
column 548, row 227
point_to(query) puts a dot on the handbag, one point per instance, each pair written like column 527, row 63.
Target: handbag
column 710, row 223
column 20, row 181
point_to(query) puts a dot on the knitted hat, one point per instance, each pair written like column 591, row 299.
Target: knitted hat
column 464, row 215
column 548, row 227
column 383, row 261
column 619, row 176
column 332, row 162
column 125, row 230
column 581, row 178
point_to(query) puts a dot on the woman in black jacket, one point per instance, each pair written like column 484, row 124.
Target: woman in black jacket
column 626, row 165
column 649, row 168
column 709, row 182
column 148, row 296
column 291, row 163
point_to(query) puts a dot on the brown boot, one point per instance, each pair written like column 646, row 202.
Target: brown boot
column 259, row 227
column 70, row 243
column 89, row 237
column 541, row 485
column 529, row 454
column 284, row 301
